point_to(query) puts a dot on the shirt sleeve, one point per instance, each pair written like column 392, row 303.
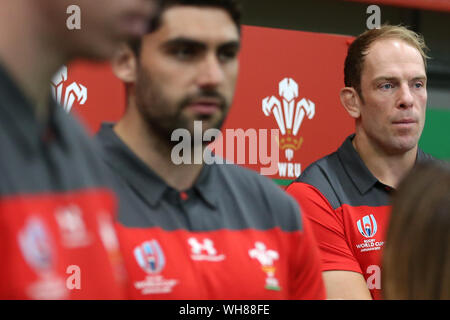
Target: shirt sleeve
column 3, row 290
column 328, row 228
column 308, row 282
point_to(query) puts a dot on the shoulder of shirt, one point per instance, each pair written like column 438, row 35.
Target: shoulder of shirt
column 87, row 148
column 325, row 175
column 259, row 189
column 79, row 134
column 71, row 124
column 251, row 182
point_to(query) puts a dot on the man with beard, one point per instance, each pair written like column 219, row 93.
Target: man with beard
column 57, row 239
column 197, row 231
column 346, row 195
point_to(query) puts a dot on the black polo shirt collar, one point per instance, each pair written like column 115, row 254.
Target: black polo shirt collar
column 358, row 171
column 18, row 116
column 143, row 179
column 206, row 186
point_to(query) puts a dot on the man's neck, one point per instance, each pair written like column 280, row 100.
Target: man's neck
column 30, row 61
column 387, row 168
column 155, row 151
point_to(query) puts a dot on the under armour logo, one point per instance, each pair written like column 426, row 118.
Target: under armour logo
column 197, row 247
column 70, row 219
column 72, row 227
column 206, row 246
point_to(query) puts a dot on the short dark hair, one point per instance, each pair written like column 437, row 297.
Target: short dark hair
column 233, row 7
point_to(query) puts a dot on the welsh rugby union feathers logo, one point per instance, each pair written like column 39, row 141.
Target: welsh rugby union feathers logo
column 289, row 114
column 67, row 94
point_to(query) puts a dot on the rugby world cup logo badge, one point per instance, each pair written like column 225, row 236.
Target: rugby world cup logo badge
column 34, row 241
column 150, row 256
column 367, row 226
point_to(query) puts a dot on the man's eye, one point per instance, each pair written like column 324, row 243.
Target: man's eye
column 418, row 85
column 184, row 53
column 226, row 55
column 386, row 86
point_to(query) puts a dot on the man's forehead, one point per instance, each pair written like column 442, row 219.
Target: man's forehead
column 391, row 50
column 200, row 23
column 391, row 55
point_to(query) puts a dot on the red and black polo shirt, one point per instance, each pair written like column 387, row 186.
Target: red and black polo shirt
column 349, row 210
column 233, row 235
column 57, row 239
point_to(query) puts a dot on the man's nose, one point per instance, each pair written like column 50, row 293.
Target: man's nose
column 211, row 73
column 406, row 99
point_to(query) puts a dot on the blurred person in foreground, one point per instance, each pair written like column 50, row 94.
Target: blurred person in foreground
column 56, row 211
column 416, row 259
column 198, row 231
column 346, row 194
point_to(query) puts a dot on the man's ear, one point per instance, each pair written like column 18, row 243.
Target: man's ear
column 351, row 101
column 124, row 64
